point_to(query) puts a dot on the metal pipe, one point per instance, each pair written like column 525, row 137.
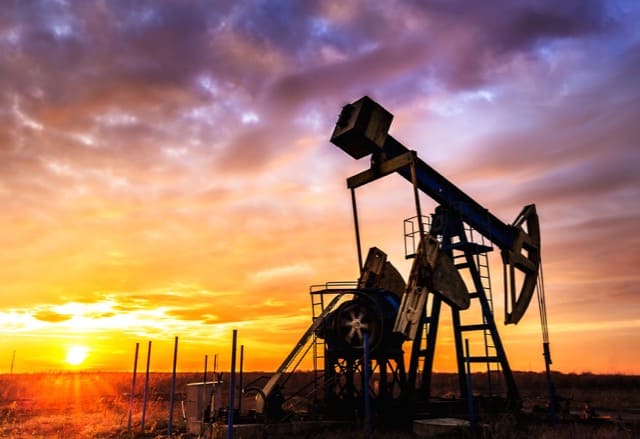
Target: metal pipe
column 204, row 390
column 550, row 387
column 133, row 387
column 173, row 386
column 416, row 195
column 365, row 388
column 469, row 389
column 146, row 388
column 357, row 227
column 232, row 383
column 240, row 380
column 204, row 377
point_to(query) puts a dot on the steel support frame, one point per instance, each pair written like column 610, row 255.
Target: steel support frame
column 407, row 164
column 513, row 397
column 344, row 381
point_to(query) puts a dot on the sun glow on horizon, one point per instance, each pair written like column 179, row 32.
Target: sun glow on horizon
column 76, row 355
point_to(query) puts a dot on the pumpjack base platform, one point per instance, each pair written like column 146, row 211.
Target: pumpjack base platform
column 441, row 427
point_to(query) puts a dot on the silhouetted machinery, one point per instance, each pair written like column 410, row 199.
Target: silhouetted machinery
column 359, row 329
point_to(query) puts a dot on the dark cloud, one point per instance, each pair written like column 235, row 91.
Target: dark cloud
column 568, row 145
column 69, row 64
column 346, row 78
column 517, row 25
column 152, row 45
column 508, row 29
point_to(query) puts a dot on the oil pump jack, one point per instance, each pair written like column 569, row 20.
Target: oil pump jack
column 359, row 329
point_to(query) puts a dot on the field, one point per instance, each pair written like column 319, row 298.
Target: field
column 96, row 405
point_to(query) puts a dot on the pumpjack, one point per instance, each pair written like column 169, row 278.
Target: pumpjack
column 359, row 329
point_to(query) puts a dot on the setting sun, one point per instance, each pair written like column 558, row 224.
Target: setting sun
column 76, row 355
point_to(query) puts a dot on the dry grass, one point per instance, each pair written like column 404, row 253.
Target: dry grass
column 95, row 405
column 77, row 405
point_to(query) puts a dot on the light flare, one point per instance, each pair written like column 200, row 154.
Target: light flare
column 76, row 355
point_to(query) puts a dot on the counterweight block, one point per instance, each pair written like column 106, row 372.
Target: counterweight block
column 362, row 128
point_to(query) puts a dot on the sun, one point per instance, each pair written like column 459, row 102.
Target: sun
column 76, row 355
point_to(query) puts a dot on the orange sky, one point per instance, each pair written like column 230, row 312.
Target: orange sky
column 165, row 169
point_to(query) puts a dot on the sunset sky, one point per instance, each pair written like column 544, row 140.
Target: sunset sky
column 166, row 170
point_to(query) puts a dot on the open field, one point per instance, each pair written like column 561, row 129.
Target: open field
column 95, row 404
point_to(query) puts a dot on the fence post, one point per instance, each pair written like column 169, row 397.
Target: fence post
column 173, row 386
column 240, row 380
column 232, row 383
column 133, row 387
column 146, row 388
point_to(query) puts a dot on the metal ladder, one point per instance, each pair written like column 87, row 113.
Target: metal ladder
column 317, row 309
column 482, row 261
column 483, row 291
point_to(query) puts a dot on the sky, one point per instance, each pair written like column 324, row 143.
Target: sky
column 166, row 170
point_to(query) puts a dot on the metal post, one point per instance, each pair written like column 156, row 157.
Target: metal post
column 240, row 380
column 550, row 388
column 357, row 227
column 173, row 386
column 232, row 383
column 146, row 387
column 365, row 388
column 133, row 387
column 416, row 194
column 204, row 391
column 204, row 378
column 469, row 390
column 432, row 335
column 459, row 345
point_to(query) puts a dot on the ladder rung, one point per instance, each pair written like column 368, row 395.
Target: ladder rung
column 482, row 359
column 467, row 246
column 461, row 265
column 478, row 327
column 474, row 295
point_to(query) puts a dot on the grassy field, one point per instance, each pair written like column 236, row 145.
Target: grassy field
column 95, row 405
column 68, row 405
